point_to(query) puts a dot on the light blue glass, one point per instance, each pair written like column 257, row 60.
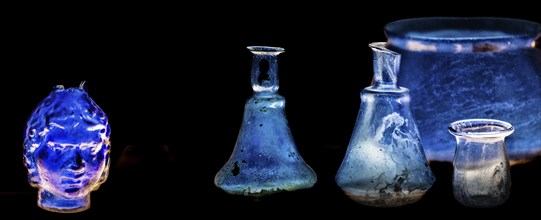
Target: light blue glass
column 385, row 164
column 265, row 159
column 481, row 168
column 66, row 149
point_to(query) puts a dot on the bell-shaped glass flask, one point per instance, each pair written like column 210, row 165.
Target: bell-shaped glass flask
column 265, row 159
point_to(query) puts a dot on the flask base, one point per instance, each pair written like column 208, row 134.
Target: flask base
column 385, row 199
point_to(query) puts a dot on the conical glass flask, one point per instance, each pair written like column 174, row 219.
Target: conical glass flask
column 385, row 165
column 265, row 159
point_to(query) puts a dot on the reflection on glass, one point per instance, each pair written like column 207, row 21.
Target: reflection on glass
column 66, row 149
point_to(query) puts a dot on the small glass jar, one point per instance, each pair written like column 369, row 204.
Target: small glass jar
column 481, row 175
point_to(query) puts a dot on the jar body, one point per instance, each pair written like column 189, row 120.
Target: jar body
column 471, row 68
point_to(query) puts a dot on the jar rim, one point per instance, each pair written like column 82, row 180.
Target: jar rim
column 463, row 28
column 481, row 127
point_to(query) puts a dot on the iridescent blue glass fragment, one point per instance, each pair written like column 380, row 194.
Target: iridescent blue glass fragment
column 265, row 159
column 66, row 149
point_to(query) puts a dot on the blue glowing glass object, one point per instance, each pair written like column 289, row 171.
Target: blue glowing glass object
column 385, row 165
column 460, row 68
column 265, row 159
column 66, row 149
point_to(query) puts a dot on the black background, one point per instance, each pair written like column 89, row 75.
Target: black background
column 179, row 76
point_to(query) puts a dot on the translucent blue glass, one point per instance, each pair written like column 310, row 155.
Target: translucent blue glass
column 66, row 149
column 476, row 67
column 481, row 168
column 385, row 164
column 265, row 159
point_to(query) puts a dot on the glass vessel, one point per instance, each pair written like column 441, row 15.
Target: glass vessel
column 265, row 159
column 451, row 63
column 385, row 165
column 66, row 149
column 481, row 176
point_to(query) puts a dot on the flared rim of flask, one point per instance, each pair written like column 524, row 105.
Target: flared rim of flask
column 480, row 127
column 460, row 34
column 266, row 50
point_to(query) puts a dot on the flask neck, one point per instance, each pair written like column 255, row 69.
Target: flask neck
column 386, row 65
column 265, row 80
